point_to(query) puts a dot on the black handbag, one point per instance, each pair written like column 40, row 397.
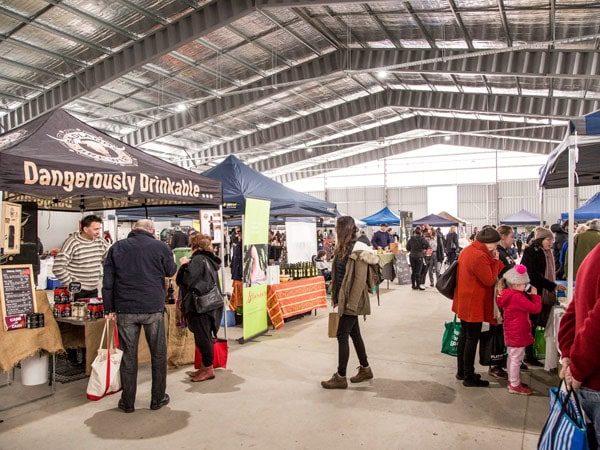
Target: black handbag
column 446, row 283
column 211, row 300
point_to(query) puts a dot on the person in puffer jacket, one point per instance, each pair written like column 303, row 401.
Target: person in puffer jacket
column 517, row 305
column 351, row 286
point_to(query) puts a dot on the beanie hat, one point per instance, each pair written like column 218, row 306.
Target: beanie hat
column 542, row 233
column 488, row 236
column 517, row 275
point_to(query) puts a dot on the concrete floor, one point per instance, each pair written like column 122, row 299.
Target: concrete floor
column 270, row 396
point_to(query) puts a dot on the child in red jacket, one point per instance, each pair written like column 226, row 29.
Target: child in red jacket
column 517, row 305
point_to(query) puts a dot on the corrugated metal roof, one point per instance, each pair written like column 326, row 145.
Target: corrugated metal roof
column 192, row 81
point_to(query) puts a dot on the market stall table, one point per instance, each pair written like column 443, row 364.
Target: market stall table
column 78, row 333
column 296, row 297
column 16, row 345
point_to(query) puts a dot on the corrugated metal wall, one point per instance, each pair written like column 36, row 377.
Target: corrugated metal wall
column 479, row 204
column 513, row 196
column 409, row 199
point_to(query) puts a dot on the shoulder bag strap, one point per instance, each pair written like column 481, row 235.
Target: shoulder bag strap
column 212, row 276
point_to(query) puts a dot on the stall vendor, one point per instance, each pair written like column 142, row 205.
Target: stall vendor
column 382, row 239
column 81, row 257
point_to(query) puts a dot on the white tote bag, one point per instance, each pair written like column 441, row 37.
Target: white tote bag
column 105, row 378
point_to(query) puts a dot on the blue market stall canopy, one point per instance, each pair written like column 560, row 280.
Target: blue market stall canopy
column 435, row 221
column 523, row 217
column 589, row 210
column 584, row 132
column 240, row 182
column 384, row 215
column 62, row 164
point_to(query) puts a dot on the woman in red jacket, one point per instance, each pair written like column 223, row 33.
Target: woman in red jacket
column 478, row 269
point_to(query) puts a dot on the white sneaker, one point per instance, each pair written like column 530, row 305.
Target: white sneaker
column 422, row 287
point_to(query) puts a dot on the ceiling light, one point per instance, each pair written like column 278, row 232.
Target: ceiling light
column 447, row 138
column 382, row 74
column 181, row 107
column 309, row 150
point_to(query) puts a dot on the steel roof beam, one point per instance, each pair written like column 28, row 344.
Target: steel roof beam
column 483, row 142
column 527, row 63
column 199, row 23
column 298, row 126
column 448, row 127
column 514, row 106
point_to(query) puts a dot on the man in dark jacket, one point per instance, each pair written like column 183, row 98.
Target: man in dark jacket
column 382, row 239
column 561, row 235
column 179, row 239
column 134, row 289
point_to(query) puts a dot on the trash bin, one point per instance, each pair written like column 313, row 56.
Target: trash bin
column 181, row 251
column 34, row 370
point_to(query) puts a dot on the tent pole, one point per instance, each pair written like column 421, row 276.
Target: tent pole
column 542, row 218
column 225, row 302
column 570, row 250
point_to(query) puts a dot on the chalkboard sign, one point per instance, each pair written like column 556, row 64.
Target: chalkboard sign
column 17, row 293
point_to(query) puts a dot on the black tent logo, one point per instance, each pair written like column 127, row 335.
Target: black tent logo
column 94, row 147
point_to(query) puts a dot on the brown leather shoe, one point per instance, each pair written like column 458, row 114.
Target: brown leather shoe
column 364, row 373
column 193, row 373
column 206, row 373
column 335, row 382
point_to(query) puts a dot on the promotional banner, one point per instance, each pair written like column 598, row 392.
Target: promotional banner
column 211, row 224
column 255, row 254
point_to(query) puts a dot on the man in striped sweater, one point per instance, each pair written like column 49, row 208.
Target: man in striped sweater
column 81, row 257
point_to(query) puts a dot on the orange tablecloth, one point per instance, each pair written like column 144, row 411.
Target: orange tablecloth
column 295, row 297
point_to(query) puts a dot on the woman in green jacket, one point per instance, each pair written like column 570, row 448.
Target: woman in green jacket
column 350, row 293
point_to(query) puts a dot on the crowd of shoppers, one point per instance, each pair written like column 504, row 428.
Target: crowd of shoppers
column 489, row 279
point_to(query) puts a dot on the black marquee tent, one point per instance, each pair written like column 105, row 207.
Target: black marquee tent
column 241, row 182
column 62, row 164
column 434, row 220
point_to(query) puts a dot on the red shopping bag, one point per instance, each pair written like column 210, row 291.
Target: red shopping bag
column 220, row 353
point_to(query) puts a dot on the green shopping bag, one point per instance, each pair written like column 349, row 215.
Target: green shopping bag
column 450, row 339
column 539, row 346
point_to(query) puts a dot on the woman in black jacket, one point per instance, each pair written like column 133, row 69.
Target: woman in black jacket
column 452, row 244
column 539, row 261
column 416, row 246
column 200, row 273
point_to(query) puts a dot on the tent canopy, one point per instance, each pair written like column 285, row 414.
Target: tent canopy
column 452, row 218
column 585, row 133
column 523, row 217
column 384, row 215
column 240, row 182
column 435, row 221
column 61, row 163
column 589, row 210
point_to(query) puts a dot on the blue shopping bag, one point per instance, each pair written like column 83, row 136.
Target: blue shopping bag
column 565, row 427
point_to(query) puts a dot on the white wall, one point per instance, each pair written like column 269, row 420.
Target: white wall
column 301, row 240
column 55, row 226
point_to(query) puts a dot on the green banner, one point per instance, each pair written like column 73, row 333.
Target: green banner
column 255, row 254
